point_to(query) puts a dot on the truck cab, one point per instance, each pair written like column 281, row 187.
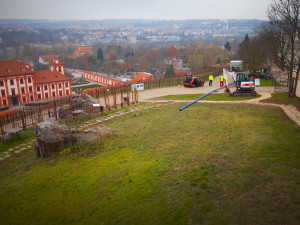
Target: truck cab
column 244, row 82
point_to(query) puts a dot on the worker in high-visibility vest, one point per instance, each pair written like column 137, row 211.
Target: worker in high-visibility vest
column 226, row 81
column 221, row 80
column 210, row 78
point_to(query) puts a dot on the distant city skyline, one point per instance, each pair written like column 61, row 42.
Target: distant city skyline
column 134, row 9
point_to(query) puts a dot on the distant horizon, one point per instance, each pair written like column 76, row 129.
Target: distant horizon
column 145, row 19
column 132, row 9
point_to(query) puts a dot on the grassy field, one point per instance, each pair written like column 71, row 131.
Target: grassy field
column 209, row 164
column 282, row 98
column 212, row 97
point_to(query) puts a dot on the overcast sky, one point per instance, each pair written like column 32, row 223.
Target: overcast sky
column 133, row 9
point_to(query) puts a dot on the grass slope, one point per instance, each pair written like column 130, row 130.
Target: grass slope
column 209, row 164
column 212, row 97
column 282, row 98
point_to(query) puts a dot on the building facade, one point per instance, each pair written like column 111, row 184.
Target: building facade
column 20, row 84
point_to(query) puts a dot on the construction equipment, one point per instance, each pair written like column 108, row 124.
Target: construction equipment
column 244, row 84
column 236, row 65
column 192, row 81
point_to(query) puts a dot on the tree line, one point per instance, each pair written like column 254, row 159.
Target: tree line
column 276, row 42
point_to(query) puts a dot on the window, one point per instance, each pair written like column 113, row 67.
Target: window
column 23, row 69
column 4, row 102
column 13, row 92
column 30, row 89
column 67, row 85
column 3, row 93
column 24, row 99
column 53, row 87
column 38, row 88
column 53, row 94
column 21, row 81
column 67, row 92
column 39, row 97
column 23, row 90
column 46, row 87
column 60, row 93
column 46, row 96
column 11, row 82
column 29, row 80
column 1, row 83
column 59, row 85
column 31, row 98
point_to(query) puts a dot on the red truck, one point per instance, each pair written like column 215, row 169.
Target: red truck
column 192, row 81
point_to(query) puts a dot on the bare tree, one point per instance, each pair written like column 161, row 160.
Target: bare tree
column 285, row 15
column 252, row 52
column 276, row 45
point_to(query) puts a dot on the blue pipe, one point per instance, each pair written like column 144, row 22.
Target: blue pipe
column 184, row 107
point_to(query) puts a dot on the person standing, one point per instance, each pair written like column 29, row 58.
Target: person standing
column 210, row 78
column 221, row 80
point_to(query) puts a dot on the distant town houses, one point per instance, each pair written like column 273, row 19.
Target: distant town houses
column 176, row 62
column 183, row 71
column 82, row 50
column 20, row 84
column 47, row 59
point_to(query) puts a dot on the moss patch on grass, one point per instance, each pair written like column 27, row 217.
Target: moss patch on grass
column 209, row 164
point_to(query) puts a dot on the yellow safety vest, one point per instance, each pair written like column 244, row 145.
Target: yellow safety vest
column 211, row 77
column 221, row 78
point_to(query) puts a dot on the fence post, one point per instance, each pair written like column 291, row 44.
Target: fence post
column 2, row 131
column 55, row 109
column 23, row 121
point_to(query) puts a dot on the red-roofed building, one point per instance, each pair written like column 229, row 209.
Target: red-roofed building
column 58, row 66
column 82, row 50
column 142, row 78
column 16, row 83
column 51, row 84
column 20, row 84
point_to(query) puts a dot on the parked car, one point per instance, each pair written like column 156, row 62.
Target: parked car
column 192, row 81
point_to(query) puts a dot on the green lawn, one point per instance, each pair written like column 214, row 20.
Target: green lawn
column 282, row 98
column 209, row 164
column 212, row 97
column 266, row 83
column 24, row 137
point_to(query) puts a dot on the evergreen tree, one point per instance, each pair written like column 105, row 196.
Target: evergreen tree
column 227, row 46
column 100, row 54
column 170, row 71
column 218, row 61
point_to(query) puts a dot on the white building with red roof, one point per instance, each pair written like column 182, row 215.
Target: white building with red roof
column 16, row 83
column 20, row 84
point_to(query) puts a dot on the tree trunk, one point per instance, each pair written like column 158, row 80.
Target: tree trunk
column 297, row 78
